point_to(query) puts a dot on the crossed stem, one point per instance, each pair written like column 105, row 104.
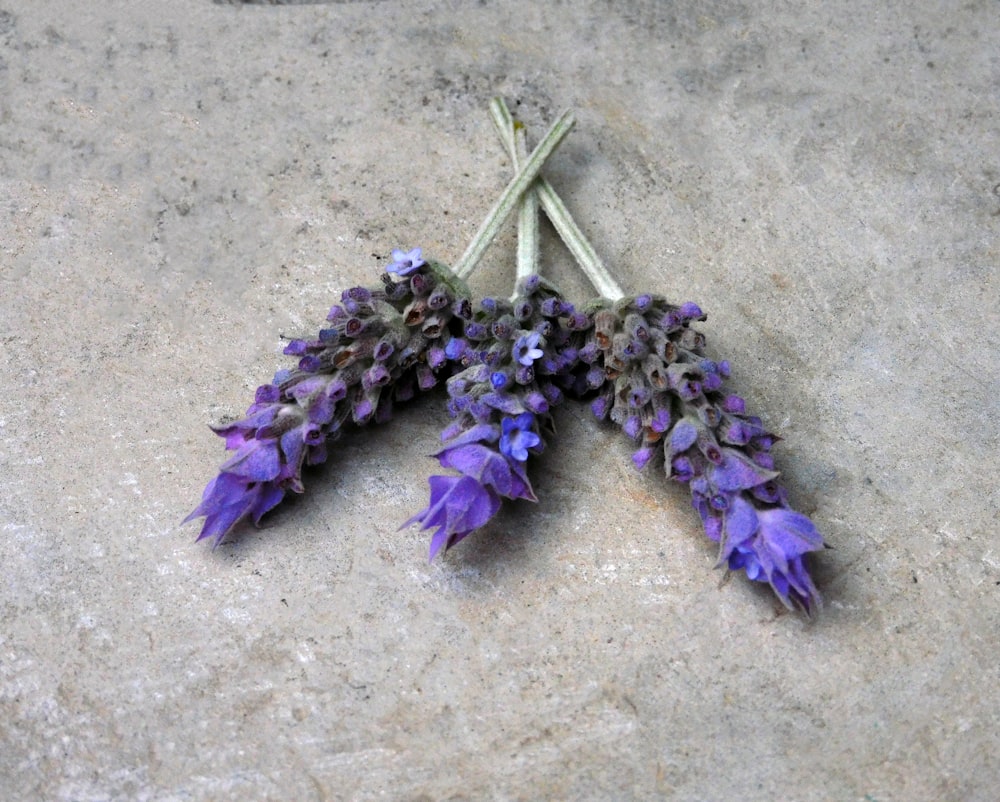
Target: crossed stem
column 511, row 196
column 591, row 264
column 526, row 190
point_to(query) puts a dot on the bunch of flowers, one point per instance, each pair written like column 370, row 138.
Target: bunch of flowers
column 382, row 346
column 508, row 363
column 517, row 359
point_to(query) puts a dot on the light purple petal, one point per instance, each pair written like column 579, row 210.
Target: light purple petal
column 521, row 487
column 268, row 497
column 505, row 402
column 788, row 532
column 292, row 446
column 227, row 499
column 740, row 524
column 480, row 433
column 307, row 387
column 737, row 472
column 404, row 263
column 641, row 457
column 683, row 436
column 458, row 505
column 257, row 461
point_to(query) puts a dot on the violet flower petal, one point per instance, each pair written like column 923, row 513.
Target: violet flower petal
column 738, row 472
column 458, row 505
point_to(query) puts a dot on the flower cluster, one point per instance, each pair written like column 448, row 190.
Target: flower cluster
column 508, row 364
column 517, row 359
column 381, row 347
column 654, row 381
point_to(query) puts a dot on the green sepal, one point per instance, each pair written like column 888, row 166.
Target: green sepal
column 444, row 274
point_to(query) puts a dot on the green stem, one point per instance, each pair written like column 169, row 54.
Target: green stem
column 557, row 212
column 510, row 197
column 527, row 220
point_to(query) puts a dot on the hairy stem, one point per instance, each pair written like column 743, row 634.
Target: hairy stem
column 562, row 220
column 511, row 195
column 527, row 219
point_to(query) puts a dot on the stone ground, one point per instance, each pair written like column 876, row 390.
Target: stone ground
column 185, row 182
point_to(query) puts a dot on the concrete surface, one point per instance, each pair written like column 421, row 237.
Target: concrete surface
column 184, row 182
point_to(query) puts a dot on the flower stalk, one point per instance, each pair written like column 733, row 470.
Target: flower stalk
column 527, row 219
column 575, row 240
column 511, row 195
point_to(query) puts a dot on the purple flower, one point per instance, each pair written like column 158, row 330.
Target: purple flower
column 691, row 311
column 458, row 506
column 483, row 463
column 526, row 348
column 499, row 379
column 642, row 456
column 769, row 544
column 500, row 405
column 516, row 436
column 403, row 263
column 228, row 499
column 271, row 445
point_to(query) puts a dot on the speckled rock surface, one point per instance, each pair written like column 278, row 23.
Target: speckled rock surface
column 185, row 182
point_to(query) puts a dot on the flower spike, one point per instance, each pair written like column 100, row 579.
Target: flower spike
column 647, row 367
column 382, row 347
column 638, row 360
column 656, row 383
column 510, row 379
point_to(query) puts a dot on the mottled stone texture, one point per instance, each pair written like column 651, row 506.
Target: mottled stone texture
column 184, row 182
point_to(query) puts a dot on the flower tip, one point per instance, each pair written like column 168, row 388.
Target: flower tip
column 209, row 532
column 406, row 262
column 813, row 606
column 438, row 542
column 641, row 457
column 206, row 535
column 692, row 311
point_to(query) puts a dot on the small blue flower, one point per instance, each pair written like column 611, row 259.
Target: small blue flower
column 516, row 436
column 403, row 263
column 526, row 348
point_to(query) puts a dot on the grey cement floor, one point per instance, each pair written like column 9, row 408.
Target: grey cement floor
column 184, row 182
